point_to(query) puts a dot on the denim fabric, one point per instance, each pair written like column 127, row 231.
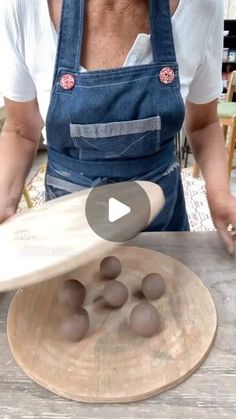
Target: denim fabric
column 116, row 124
column 116, row 129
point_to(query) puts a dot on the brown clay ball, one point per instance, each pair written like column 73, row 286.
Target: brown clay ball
column 115, row 294
column 110, row 267
column 75, row 326
column 145, row 320
column 153, row 286
column 71, row 294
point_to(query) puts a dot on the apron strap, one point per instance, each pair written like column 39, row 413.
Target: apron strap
column 70, row 36
column 72, row 27
column 161, row 32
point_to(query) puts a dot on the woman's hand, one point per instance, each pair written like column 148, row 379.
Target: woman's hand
column 208, row 144
column 223, row 210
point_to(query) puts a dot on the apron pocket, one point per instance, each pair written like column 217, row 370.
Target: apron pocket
column 125, row 139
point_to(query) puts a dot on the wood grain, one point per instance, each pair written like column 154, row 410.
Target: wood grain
column 56, row 238
column 113, row 364
column 209, row 393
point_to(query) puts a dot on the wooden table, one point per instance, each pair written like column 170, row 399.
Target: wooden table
column 208, row 394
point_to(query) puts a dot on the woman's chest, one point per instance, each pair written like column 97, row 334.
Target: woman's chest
column 55, row 8
column 43, row 42
column 109, row 32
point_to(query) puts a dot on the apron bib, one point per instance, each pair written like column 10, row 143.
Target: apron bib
column 118, row 124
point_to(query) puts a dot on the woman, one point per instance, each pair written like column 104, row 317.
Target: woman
column 116, row 102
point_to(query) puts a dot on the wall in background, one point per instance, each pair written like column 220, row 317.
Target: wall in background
column 230, row 9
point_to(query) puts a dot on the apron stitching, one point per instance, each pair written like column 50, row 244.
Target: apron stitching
column 113, row 155
column 116, row 83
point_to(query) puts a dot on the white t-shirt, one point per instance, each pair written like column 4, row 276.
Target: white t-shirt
column 28, row 43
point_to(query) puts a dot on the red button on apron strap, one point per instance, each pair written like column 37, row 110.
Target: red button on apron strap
column 67, row 81
column 167, row 75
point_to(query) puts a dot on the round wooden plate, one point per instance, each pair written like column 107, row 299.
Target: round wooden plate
column 112, row 364
column 50, row 240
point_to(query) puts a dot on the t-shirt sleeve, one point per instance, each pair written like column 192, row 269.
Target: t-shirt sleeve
column 206, row 85
column 15, row 80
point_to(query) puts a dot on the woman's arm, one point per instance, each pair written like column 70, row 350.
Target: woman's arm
column 207, row 141
column 20, row 135
column 19, row 142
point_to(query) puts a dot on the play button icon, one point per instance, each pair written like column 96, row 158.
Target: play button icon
column 117, row 210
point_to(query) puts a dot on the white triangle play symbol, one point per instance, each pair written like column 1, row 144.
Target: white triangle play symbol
column 117, row 210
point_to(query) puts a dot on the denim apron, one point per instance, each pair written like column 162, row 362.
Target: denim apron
column 117, row 124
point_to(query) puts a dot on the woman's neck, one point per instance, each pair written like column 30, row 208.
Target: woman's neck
column 127, row 5
column 116, row 15
column 104, row 7
column 118, row 5
column 116, row 9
